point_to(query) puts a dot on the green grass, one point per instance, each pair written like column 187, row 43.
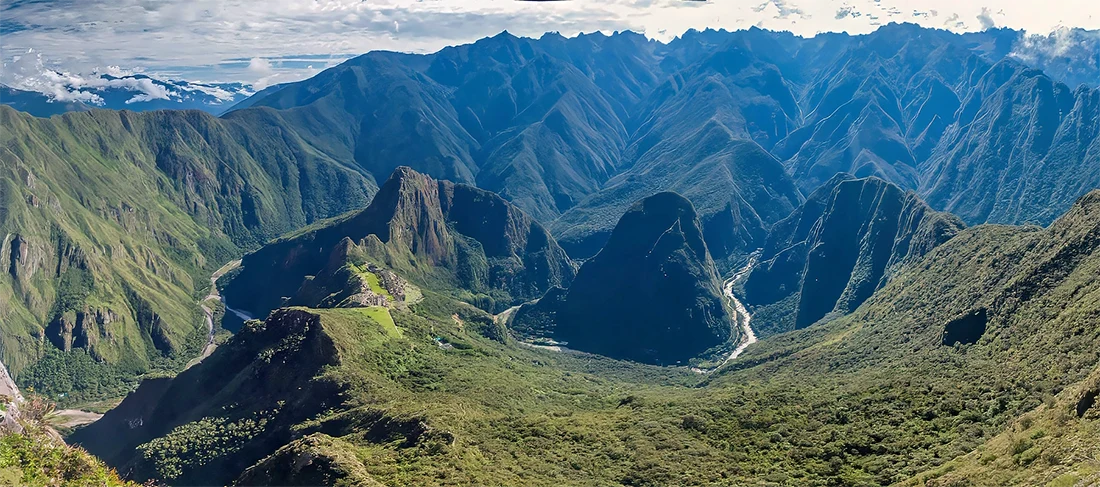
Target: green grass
column 375, row 284
column 377, row 314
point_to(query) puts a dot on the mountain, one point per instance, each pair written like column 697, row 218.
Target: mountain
column 113, row 221
column 701, row 136
column 257, row 96
column 136, row 92
column 655, row 255
column 1023, row 149
column 832, row 253
column 574, row 130
column 434, row 232
column 36, row 103
column 555, row 124
column 880, row 107
column 991, row 307
column 976, row 361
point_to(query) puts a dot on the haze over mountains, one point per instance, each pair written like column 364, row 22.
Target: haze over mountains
column 61, row 92
column 411, row 227
column 571, row 130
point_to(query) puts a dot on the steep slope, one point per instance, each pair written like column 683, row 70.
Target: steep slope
column 652, row 294
column 198, row 427
column 502, row 112
column 1023, row 149
column 879, row 108
column 33, row 458
column 1049, row 445
column 575, row 130
column 112, row 221
column 381, row 114
column 334, row 397
column 436, row 232
column 701, row 134
column 876, row 397
column 985, row 328
column 837, row 249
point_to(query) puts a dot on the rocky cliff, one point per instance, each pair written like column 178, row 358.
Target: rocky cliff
column 651, row 295
column 452, row 236
column 837, row 249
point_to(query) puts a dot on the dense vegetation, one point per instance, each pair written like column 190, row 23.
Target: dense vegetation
column 844, row 243
column 444, row 235
column 32, row 455
column 656, row 255
column 872, row 398
column 904, row 349
column 111, row 221
column 33, row 459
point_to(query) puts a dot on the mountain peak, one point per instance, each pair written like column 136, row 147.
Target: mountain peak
column 655, row 255
column 424, row 229
column 843, row 244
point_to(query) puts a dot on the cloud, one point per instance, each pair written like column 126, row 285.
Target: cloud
column 986, row 19
column 29, row 71
column 1067, row 54
column 198, row 38
column 259, row 66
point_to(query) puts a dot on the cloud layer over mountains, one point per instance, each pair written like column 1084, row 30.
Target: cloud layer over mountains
column 214, row 40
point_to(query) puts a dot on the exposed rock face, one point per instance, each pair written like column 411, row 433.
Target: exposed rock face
column 652, row 294
column 425, row 229
column 80, row 329
column 837, row 249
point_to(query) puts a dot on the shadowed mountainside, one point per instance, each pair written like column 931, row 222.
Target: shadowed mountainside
column 838, row 248
column 450, row 236
column 652, row 294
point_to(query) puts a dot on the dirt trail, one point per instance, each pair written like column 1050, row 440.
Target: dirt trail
column 71, row 418
column 505, row 315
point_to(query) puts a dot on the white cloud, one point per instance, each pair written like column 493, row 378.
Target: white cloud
column 259, row 66
column 986, row 19
column 206, row 36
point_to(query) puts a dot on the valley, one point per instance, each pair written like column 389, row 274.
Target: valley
column 731, row 258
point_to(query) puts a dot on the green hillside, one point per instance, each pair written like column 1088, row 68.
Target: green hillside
column 652, row 294
column 112, row 222
column 877, row 397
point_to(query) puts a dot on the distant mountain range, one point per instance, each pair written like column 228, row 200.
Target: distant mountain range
column 404, row 221
column 742, row 123
column 572, row 131
column 136, row 92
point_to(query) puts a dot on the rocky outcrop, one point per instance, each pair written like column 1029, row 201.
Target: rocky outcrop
column 452, row 235
column 268, row 371
column 80, row 329
column 841, row 246
column 317, row 459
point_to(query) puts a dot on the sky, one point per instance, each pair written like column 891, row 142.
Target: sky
column 272, row 41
